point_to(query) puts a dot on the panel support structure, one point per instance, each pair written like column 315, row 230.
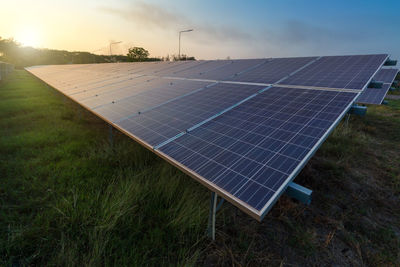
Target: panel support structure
column 110, row 135
column 375, row 84
column 211, row 218
column 299, row 192
column 358, row 110
column 390, row 62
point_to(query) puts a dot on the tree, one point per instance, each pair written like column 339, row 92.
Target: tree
column 138, row 54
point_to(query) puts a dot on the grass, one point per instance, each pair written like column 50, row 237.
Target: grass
column 67, row 197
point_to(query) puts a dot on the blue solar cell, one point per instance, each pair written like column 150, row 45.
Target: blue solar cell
column 157, row 125
column 386, row 75
column 349, row 72
column 373, row 95
column 272, row 70
column 250, row 151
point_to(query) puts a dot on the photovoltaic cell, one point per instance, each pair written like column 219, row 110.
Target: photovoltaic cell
column 373, row 95
column 252, row 151
column 166, row 121
column 272, row 70
column 348, row 72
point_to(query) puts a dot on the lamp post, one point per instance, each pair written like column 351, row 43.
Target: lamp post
column 111, row 45
column 179, row 52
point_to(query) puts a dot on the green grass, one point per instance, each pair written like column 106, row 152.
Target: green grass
column 67, row 197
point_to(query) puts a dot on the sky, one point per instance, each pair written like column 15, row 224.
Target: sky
column 221, row 29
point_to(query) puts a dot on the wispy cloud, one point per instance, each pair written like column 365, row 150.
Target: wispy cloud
column 292, row 37
column 155, row 17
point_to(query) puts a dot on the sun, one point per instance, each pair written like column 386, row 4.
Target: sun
column 28, row 37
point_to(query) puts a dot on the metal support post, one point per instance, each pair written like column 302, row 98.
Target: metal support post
column 347, row 119
column 110, row 135
column 211, row 218
column 299, row 192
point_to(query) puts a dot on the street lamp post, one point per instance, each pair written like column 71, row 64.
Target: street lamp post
column 179, row 52
column 111, row 45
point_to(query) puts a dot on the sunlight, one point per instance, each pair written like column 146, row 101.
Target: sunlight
column 28, row 37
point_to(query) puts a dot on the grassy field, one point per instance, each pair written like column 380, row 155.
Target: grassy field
column 67, row 197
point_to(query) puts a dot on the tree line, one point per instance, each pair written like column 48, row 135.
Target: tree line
column 22, row 56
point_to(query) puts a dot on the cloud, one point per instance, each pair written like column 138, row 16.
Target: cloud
column 147, row 15
column 155, row 17
column 288, row 38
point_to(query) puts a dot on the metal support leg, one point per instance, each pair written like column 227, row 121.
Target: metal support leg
column 347, row 120
column 110, row 135
column 211, row 218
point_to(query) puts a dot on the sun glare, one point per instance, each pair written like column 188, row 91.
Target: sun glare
column 28, row 37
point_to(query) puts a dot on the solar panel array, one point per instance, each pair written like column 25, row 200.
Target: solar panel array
column 377, row 95
column 243, row 128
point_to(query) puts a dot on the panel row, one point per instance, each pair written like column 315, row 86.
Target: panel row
column 349, row 72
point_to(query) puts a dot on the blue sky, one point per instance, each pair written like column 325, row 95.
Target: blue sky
column 238, row 29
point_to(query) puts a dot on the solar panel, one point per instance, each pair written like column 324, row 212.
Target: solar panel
column 386, row 75
column 373, row 95
column 250, row 153
column 166, row 121
column 271, row 71
column 349, row 72
column 243, row 140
